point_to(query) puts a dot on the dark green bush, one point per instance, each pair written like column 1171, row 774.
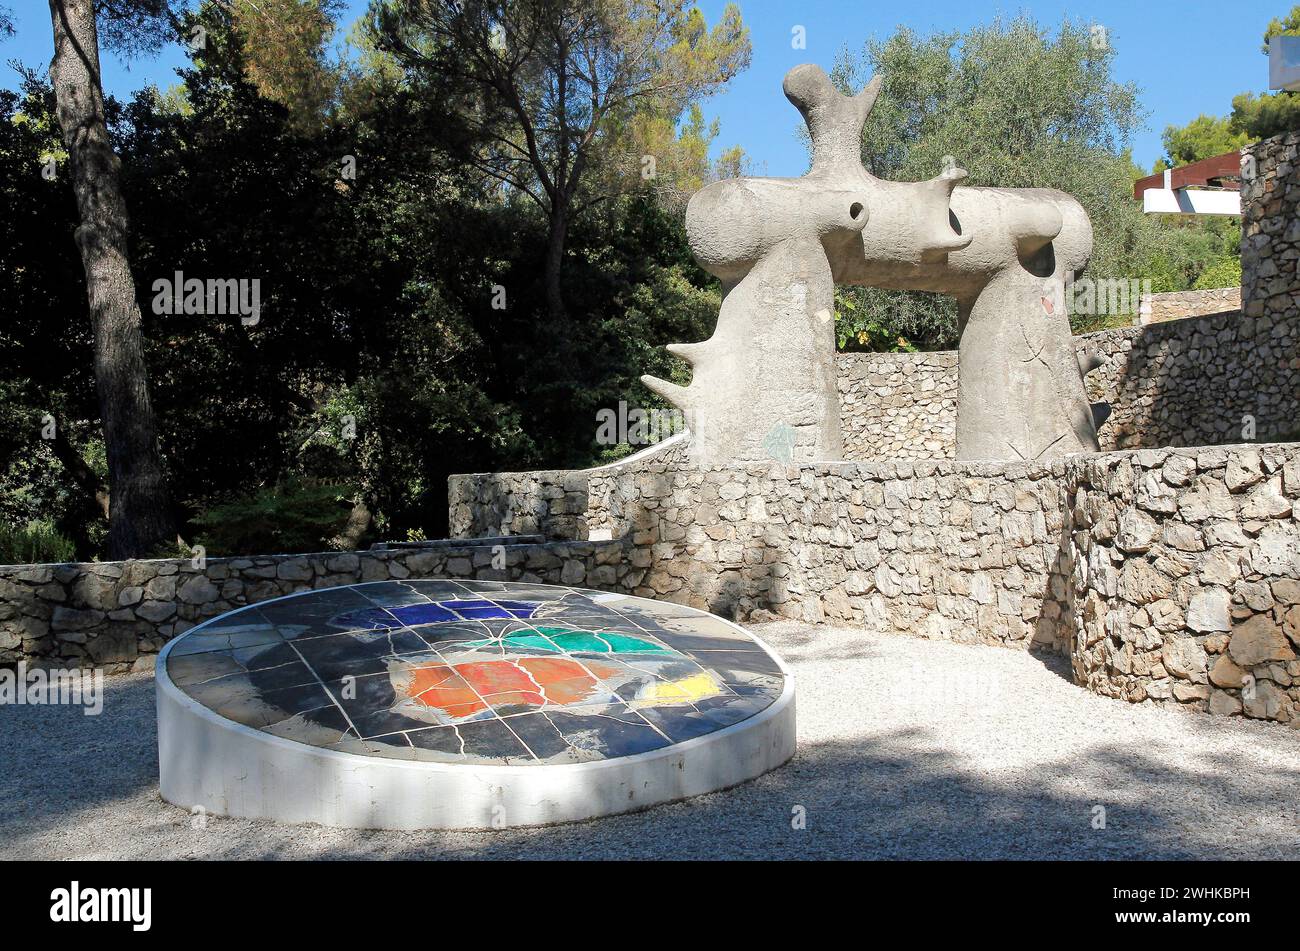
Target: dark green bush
column 294, row 516
column 36, row 544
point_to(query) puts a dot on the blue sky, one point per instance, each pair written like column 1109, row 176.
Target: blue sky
column 1187, row 57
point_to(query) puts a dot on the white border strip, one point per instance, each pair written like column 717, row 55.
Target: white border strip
column 210, row 763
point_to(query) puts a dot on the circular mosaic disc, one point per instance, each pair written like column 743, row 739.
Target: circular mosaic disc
column 464, row 704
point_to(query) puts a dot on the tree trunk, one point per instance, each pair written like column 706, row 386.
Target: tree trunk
column 80, row 473
column 554, row 274
column 359, row 521
column 140, row 516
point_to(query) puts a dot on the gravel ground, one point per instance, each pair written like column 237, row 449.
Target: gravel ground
column 907, row 749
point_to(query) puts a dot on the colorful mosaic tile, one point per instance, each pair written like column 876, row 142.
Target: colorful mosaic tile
column 484, row 672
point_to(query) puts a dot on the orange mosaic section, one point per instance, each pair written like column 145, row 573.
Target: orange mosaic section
column 466, row 689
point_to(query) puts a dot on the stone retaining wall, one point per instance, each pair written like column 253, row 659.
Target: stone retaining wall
column 1168, row 575
column 118, row 615
column 898, row 405
column 1195, row 382
column 961, row 552
column 1270, row 228
column 1013, row 554
column 556, row 503
column 1175, row 305
column 1187, row 572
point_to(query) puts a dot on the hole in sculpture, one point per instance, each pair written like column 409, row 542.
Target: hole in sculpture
column 855, row 210
column 1042, row 263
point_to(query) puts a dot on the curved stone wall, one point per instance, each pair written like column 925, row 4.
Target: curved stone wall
column 567, row 504
column 1201, row 381
column 118, row 615
column 1186, row 568
column 962, row 552
column 1270, row 227
column 1145, row 566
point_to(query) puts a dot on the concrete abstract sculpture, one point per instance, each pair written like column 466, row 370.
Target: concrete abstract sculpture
column 780, row 245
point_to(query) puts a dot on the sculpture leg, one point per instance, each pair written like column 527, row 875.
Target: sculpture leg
column 1020, row 391
column 763, row 386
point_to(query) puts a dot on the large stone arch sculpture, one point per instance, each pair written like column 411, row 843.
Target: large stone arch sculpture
column 779, row 246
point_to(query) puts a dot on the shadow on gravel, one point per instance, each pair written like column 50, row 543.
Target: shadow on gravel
column 885, row 800
column 1058, row 664
column 56, row 762
column 890, row 795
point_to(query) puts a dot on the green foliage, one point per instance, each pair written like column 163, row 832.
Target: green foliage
column 1185, row 249
column 1265, row 115
column 285, row 44
column 560, row 100
column 1225, row 272
column 294, row 516
column 1091, row 323
column 1204, row 137
column 873, row 320
column 379, row 361
column 35, row 543
column 45, row 373
column 1288, row 25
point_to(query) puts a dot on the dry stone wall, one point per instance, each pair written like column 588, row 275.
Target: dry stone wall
column 1165, row 552
column 1270, row 228
column 1175, row 305
column 566, row 504
column 555, row 503
column 1169, row 576
column 1201, row 381
column 957, row 551
column 898, row 405
column 1187, row 574
column 1205, row 381
column 118, row 615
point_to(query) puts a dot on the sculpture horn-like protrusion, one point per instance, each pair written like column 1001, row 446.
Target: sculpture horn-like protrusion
column 677, row 395
column 690, row 352
column 1090, row 360
column 834, row 120
column 934, row 225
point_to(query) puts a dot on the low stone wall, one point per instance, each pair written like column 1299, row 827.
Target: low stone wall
column 961, row 552
column 1176, row 305
column 1201, row 382
column 1270, row 228
column 898, row 405
column 1187, row 573
column 555, row 503
column 118, row 615
column 1168, row 575
column 1013, row 554
column 1197, row 382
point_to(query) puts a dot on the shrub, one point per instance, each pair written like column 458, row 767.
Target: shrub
column 37, row 543
column 294, row 516
column 1225, row 272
